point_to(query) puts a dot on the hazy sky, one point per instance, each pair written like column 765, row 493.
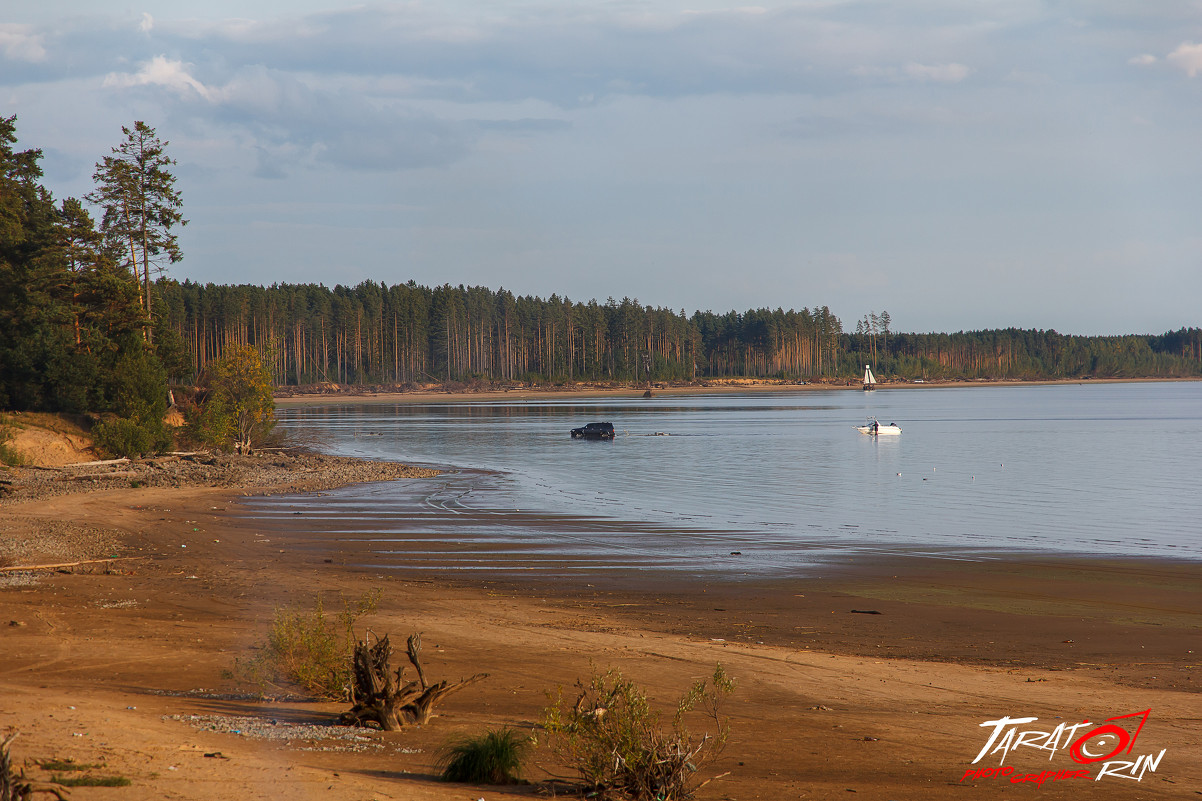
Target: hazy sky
column 960, row 164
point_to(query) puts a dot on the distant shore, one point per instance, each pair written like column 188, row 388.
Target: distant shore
column 349, row 394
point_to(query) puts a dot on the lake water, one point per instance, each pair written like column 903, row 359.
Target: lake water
column 781, row 478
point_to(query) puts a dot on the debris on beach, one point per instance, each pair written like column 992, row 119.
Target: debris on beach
column 315, row 736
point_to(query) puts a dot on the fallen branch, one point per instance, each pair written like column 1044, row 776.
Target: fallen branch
column 710, row 779
column 122, row 460
column 19, row 568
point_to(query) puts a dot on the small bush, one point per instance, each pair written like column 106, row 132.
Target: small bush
column 239, row 409
column 494, row 757
column 311, row 649
column 613, row 738
column 67, row 764
column 91, row 781
column 122, row 436
column 8, row 456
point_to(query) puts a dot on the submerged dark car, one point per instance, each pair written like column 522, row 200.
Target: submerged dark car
column 594, row 431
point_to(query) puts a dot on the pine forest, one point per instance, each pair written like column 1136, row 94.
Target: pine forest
column 409, row 334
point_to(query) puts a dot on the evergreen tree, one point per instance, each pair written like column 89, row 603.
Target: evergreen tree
column 32, row 311
column 141, row 205
column 71, row 330
column 137, row 387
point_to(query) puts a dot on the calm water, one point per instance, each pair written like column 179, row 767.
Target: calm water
column 782, row 478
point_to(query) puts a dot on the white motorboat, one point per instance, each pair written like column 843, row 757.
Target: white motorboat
column 873, row 428
column 869, row 380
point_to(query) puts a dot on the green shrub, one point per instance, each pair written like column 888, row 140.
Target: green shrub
column 310, row 649
column 67, row 764
column 613, row 738
column 8, row 455
column 494, row 757
column 137, row 396
column 239, row 410
column 120, row 436
column 91, row 781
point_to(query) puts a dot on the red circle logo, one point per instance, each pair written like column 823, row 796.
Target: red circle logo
column 1079, row 753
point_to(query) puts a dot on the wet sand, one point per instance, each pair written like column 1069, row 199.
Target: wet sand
column 1048, row 611
column 831, row 698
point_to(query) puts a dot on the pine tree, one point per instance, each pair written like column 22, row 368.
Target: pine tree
column 31, row 311
column 141, row 205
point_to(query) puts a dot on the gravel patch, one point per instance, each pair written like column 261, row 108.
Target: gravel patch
column 29, row 540
column 216, row 695
column 307, row 736
column 127, row 604
column 264, row 473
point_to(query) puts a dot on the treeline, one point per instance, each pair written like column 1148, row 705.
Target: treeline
column 1026, row 355
column 375, row 334
column 406, row 333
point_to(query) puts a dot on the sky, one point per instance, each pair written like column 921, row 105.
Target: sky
column 961, row 165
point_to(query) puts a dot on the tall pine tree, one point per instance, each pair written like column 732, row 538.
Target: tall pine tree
column 141, row 205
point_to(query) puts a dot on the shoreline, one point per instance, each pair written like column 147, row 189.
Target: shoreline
column 103, row 659
column 432, row 395
column 1032, row 610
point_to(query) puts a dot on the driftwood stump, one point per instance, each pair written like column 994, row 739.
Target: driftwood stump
column 378, row 694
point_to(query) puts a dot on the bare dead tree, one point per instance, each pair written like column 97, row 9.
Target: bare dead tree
column 381, row 697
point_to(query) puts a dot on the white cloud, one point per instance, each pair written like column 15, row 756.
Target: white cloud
column 159, row 71
column 1143, row 60
column 147, row 23
column 941, row 73
column 19, row 44
column 938, row 73
column 1187, row 56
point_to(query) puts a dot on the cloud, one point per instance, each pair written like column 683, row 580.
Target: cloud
column 561, row 52
column 393, row 144
column 934, row 73
column 940, row 73
column 268, row 165
column 526, row 125
column 1188, row 57
column 159, row 71
column 306, row 120
column 298, row 120
column 1144, row 60
column 19, row 43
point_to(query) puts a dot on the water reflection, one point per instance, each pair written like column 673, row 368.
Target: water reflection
column 782, row 478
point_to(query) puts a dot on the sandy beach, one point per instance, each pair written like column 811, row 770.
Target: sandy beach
column 875, row 681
